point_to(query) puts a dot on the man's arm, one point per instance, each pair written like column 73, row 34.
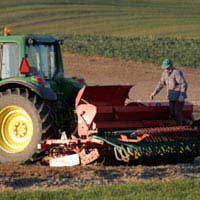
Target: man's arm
column 160, row 85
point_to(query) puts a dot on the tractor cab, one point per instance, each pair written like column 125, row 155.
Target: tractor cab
column 30, row 55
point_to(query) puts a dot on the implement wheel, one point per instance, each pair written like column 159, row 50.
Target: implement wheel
column 24, row 120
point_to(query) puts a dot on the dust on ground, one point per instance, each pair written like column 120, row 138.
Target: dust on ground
column 106, row 71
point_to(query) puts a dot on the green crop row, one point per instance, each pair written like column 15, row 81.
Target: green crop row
column 184, row 52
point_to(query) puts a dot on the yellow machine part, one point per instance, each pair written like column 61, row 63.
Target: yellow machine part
column 16, row 129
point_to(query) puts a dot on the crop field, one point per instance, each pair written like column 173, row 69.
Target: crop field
column 183, row 52
column 127, row 18
column 111, row 42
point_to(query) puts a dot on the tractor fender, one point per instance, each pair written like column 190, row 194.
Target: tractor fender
column 44, row 92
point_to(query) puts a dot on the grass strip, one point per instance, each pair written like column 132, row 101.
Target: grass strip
column 186, row 189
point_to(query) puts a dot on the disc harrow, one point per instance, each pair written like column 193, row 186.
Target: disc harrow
column 163, row 141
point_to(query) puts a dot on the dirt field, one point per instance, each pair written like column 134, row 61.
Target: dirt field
column 144, row 76
column 104, row 71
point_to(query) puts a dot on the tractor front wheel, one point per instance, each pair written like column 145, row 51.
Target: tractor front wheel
column 24, row 118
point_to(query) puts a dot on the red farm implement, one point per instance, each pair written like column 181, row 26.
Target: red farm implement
column 107, row 127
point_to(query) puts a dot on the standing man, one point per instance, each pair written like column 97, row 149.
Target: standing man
column 176, row 89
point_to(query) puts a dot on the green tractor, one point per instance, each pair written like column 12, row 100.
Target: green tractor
column 32, row 91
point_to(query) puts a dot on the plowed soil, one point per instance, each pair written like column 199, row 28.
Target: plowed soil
column 105, row 71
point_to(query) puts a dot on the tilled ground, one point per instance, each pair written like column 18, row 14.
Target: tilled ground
column 14, row 177
column 104, row 71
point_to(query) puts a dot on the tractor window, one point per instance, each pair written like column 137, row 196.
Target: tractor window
column 10, row 60
column 41, row 59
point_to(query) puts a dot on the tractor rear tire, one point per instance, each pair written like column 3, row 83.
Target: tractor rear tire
column 24, row 122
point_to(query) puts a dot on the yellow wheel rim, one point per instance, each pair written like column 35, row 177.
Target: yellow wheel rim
column 16, row 129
